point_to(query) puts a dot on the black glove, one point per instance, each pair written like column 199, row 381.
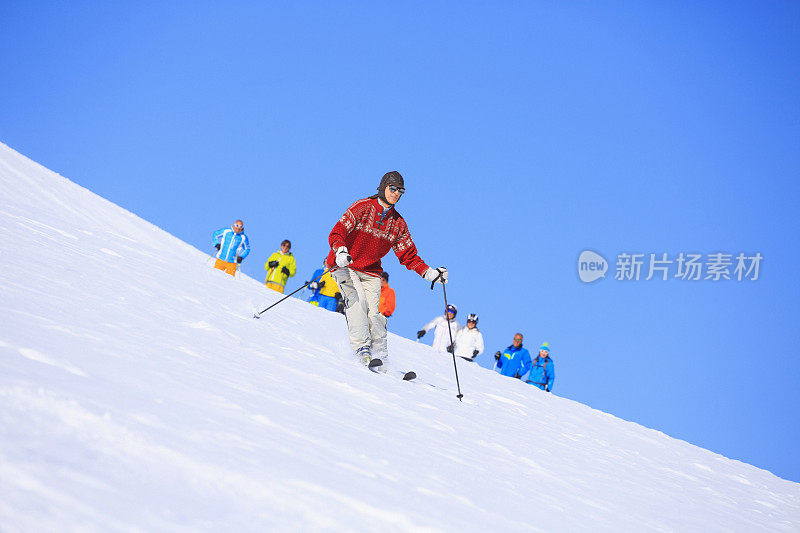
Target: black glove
column 285, row 270
column 420, row 333
column 546, row 389
column 239, row 260
column 272, row 264
column 516, row 375
column 321, row 283
column 450, row 348
column 497, row 356
column 474, row 354
column 337, row 295
column 216, row 246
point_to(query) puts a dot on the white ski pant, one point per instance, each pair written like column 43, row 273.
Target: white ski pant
column 365, row 324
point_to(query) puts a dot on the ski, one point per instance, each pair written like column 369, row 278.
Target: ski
column 375, row 364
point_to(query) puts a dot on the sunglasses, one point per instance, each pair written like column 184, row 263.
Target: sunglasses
column 517, row 339
column 394, row 189
column 285, row 246
column 238, row 226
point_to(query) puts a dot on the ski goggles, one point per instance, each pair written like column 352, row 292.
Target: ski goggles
column 395, row 189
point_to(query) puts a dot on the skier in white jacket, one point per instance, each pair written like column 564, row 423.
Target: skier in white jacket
column 469, row 341
column 441, row 338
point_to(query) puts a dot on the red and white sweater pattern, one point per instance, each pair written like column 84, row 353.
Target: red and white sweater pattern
column 368, row 239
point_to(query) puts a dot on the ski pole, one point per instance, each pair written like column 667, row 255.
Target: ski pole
column 450, row 332
column 259, row 313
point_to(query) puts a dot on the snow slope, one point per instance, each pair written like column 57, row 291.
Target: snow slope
column 137, row 392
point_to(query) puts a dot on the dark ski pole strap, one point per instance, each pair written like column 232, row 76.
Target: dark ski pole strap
column 437, row 278
column 259, row 313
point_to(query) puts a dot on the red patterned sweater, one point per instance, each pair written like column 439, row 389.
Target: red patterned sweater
column 368, row 239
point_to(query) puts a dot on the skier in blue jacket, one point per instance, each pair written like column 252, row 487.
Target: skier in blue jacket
column 233, row 246
column 543, row 370
column 312, row 291
column 514, row 361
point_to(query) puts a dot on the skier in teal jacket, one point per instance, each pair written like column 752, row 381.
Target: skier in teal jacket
column 543, row 371
column 514, row 361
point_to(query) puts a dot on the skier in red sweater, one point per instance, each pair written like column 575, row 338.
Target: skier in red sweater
column 365, row 233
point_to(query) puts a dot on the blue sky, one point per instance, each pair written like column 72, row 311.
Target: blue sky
column 527, row 132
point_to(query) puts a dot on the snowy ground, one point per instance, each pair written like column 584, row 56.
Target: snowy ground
column 137, row 392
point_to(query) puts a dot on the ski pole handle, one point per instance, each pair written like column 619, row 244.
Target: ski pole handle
column 437, row 279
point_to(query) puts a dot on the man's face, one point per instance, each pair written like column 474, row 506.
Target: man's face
column 451, row 315
column 543, row 353
column 238, row 226
column 393, row 194
column 517, row 340
column 470, row 324
column 384, row 282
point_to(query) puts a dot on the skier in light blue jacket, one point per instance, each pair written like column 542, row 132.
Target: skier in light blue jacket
column 232, row 245
column 543, row 370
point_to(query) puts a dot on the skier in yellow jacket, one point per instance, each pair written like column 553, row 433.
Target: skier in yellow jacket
column 328, row 292
column 280, row 267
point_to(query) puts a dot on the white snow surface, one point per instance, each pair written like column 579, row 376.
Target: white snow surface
column 137, row 392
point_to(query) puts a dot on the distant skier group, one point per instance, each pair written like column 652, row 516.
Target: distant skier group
column 515, row 361
column 466, row 342
column 353, row 282
column 233, row 246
